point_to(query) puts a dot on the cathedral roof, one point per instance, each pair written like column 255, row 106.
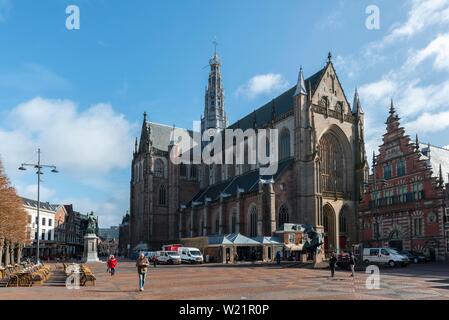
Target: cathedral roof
column 247, row 182
column 282, row 104
column 161, row 135
column 436, row 157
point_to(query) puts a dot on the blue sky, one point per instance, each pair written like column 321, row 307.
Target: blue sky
column 79, row 95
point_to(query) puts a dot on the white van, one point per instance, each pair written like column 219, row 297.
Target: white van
column 190, row 255
column 387, row 256
column 168, row 257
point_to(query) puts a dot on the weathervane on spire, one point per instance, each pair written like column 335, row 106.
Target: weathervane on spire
column 215, row 43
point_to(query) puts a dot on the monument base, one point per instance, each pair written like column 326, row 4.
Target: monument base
column 90, row 248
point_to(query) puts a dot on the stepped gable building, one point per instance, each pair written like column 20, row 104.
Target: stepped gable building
column 322, row 166
column 404, row 206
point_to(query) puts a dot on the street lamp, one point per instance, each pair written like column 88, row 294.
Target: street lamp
column 39, row 166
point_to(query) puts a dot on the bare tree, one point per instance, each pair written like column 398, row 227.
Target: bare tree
column 12, row 221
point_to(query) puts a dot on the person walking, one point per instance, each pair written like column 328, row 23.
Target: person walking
column 352, row 263
column 278, row 257
column 332, row 263
column 154, row 259
column 142, row 267
column 112, row 264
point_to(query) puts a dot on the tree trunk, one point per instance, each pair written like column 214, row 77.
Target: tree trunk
column 2, row 242
column 7, row 256
column 12, row 248
column 19, row 253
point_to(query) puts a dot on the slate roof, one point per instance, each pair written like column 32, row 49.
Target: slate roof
column 247, row 181
column 43, row 205
column 161, row 135
column 282, row 104
column 437, row 156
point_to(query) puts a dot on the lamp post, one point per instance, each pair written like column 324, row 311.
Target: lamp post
column 39, row 166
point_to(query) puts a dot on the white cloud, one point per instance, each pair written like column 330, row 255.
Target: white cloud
column 438, row 49
column 262, row 84
column 30, row 191
column 422, row 15
column 428, row 122
column 380, row 90
column 89, row 142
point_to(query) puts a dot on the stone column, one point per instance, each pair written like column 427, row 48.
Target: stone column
column 181, row 212
column 205, row 214
column 260, row 210
column 191, row 223
column 272, row 208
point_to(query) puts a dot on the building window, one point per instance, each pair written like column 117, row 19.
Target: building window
column 193, row 171
column 43, row 235
column 387, row 171
column 418, row 191
column 29, row 219
column 217, row 226
column 417, row 227
column 162, row 195
column 401, row 168
column 332, row 164
column 49, row 236
column 253, row 222
column 284, row 143
column 182, row 170
column 234, row 223
column 49, row 222
column 343, row 223
column 43, row 221
column 159, row 168
column 283, row 216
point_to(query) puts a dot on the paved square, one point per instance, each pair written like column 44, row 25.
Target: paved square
column 424, row 281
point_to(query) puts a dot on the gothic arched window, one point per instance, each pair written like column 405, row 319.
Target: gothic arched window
column 193, row 171
column 283, row 216
column 162, row 195
column 284, row 143
column 234, row 222
column 253, row 222
column 332, row 164
column 343, row 225
column 159, row 168
column 401, row 168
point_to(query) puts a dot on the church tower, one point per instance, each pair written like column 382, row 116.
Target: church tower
column 214, row 107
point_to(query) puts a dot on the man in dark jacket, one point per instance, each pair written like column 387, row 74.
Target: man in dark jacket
column 352, row 263
column 332, row 263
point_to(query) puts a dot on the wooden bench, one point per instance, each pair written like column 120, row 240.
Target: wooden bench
column 87, row 277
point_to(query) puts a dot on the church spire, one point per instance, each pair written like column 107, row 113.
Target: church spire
column 440, row 176
column 301, row 85
column 392, row 109
column 214, row 104
column 357, row 107
column 145, row 135
column 416, row 143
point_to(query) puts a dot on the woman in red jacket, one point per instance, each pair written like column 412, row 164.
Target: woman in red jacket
column 112, row 264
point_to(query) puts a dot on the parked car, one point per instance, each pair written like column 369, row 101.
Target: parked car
column 415, row 257
column 168, row 257
column 190, row 255
column 386, row 256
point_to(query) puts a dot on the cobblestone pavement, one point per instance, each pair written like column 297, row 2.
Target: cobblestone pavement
column 426, row 281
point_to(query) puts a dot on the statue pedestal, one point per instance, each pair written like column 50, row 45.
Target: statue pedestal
column 318, row 260
column 90, row 248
